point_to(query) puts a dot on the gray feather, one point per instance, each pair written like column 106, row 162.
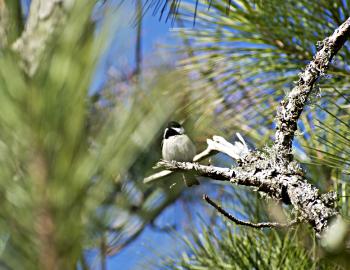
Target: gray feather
column 180, row 148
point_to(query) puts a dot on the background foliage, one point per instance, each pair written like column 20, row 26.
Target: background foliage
column 72, row 161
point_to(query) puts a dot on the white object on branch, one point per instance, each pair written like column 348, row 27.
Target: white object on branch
column 238, row 150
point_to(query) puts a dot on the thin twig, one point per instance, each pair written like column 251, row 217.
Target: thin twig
column 103, row 252
column 84, row 264
column 138, row 48
column 247, row 223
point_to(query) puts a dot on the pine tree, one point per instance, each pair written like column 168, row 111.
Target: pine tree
column 71, row 163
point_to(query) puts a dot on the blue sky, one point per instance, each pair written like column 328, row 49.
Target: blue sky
column 151, row 244
column 121, row 55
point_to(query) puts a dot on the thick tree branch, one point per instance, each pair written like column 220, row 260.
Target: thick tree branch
column 217, row 173
column 292, row 106
column 259, row 225
column 45, row 17
column 288, row 186
column 275, row 173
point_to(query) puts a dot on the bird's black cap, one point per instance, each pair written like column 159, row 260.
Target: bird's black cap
column 171, row 129
column 173, row 124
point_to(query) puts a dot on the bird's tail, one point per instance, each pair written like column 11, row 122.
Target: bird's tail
column 190, row 180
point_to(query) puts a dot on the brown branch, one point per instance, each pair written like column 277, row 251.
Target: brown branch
column 84, row 264
column 45, row 226
column 259, row 225
column 138, row 47
column 103, row 253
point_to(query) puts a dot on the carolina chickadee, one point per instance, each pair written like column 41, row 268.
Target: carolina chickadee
column 178, row 146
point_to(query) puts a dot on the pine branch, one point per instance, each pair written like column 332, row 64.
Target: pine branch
column 264, row 175
column 217, row 173
column 276, row 174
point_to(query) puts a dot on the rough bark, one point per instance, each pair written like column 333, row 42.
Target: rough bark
column 292, row 106
column 285, row 185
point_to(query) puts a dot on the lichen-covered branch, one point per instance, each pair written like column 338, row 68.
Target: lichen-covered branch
column 200, row 170
column 275, row 173
column 288, row 186
column 292, row 106
column 45, row 17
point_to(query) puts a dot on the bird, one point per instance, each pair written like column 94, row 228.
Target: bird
column 176, row 145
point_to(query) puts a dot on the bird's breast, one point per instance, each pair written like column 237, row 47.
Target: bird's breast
column 179, row 148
